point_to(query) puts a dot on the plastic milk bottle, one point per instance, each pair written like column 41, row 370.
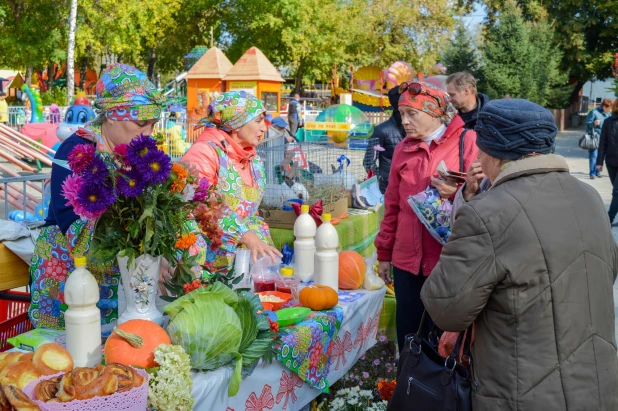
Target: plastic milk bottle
column 83, row 318
column 326, row 256
column 304, row 246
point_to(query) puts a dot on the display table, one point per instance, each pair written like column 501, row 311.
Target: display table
column 356, row 233
column 275, row 387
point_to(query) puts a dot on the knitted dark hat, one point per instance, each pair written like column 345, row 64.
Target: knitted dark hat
column 514, row 128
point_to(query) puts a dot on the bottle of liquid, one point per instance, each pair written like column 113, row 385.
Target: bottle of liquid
column 288, row 282
column 304, row 246
column 326, row 256
column 83, row 318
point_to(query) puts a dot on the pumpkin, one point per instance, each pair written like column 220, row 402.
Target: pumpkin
column 318, row 297
column 351, row 270
column 133, row 343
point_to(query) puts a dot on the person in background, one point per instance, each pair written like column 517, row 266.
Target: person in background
column 129, row 105
column 4, row 109
column 461, row 88
column 531, row 263
column 608, row 153
column 281, row 126
column 594, row 124
column 294, row 114
column 225, row 153
column 433, row 134
column 383, row 141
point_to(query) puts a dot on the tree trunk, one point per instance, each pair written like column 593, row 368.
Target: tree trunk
column 298, row 83
column 83, row 72
column 51, row 75
column 71, row 53
column 29, row 71
column 152, row 59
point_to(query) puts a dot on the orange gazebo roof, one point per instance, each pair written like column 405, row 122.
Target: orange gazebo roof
column 254, row 65
column 212, row 65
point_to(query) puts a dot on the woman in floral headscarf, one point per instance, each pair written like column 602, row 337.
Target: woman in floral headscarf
column 130, row 105
column 434, row 133
column 226, row 155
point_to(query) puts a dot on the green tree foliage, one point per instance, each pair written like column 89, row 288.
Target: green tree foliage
column 519, row 58
column 585, row 31
column 460, row 54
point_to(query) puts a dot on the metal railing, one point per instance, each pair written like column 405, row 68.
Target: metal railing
column 20, row 115
column 10, row 187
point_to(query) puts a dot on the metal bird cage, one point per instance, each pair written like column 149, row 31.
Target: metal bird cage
column 308, row 171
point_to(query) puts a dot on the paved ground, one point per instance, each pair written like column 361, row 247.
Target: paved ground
column 566, row 145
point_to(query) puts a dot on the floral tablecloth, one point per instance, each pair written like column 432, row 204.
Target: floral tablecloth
column 275, row 387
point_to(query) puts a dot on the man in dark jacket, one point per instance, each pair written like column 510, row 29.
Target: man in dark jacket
column 608, row 153
column 461, row 87
column 383, row 141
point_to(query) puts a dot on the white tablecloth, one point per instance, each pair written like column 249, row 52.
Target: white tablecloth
column 274, row 387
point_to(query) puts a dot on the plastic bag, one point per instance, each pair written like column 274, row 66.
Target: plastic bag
column 434, row 212
column 372, row 281
column 264, row 273
column 447, row 343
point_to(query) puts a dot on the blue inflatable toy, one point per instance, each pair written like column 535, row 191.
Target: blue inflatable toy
column 77, row 116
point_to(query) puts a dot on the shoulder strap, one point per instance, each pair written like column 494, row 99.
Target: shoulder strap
column 462, row 139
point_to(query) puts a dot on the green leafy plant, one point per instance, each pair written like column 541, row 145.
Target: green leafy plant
column 217, row 327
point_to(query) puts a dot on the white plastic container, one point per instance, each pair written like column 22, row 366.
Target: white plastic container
column 304, row 246
column 326, row 255
column 82, row 318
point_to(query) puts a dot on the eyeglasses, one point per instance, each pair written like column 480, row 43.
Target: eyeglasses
column 415, row 89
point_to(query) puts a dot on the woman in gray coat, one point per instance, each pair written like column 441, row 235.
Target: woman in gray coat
column 532, row 263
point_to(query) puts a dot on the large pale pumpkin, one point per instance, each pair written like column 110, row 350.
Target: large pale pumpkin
column 351, row 270
column 133, row 343
column 318, row 297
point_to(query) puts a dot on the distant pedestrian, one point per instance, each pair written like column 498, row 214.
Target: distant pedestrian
column 594, row 124
column 608, row 153
column 382, row 143
column 4, row 108
column 461, row 88
column 294, row 114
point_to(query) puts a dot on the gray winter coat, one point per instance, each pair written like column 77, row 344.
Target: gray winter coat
column 532, row 263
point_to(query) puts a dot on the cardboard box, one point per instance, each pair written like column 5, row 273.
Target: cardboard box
column 286, row 219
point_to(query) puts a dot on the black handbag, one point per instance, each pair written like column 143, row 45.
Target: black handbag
column 589, row 142
column 429, row 382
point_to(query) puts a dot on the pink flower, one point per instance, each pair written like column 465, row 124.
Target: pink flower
column 80, row 157
column 70, row 190
column 201, row 191
column 120, row 152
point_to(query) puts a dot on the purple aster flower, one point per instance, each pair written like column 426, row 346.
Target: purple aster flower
column 130, row 183
column 376, row 362
column 201, row 192
column 95, row 199
column 360, row 383
column 365, row 375
column 363, row 357
column 139, row 147
column 155, row 167
column 383, row 338
column 96, row 172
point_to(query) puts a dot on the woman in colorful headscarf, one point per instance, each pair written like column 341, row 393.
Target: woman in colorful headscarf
column 225, row 153
column 434, row 133
column 130, row 105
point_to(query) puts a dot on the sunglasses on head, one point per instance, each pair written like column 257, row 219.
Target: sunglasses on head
column 415, row 89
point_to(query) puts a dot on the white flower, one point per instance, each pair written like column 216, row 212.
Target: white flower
column 188, row 192
column 170, row 387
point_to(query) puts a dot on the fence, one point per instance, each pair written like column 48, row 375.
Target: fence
column 27, row 197
column 20, row 115
column 376, row 118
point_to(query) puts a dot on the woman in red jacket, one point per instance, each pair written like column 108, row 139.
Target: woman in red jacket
column 433, row 133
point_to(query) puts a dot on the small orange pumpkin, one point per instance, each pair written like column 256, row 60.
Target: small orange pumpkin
column 351, row 270
column 133, row 343
column 318, row 297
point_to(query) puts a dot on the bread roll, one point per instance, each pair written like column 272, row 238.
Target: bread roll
column 66, row 390
column 5, row 405
column 9, row 358
column 105, row 384
column 26, row 357
column 19, row 374
column 18, row 399
column 52, row 358
column 128, row 378
column 46, row 390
